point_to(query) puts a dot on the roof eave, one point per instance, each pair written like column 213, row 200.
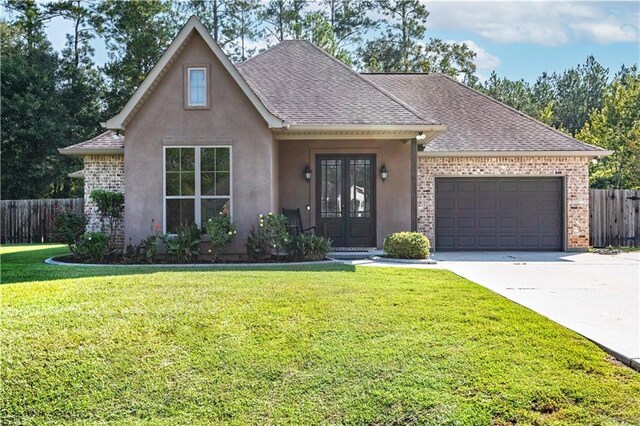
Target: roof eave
column 78, row 152
column 360, row 131
column 591, row 154
column 117, row 122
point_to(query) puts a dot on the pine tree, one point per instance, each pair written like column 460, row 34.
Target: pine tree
column 31, row 107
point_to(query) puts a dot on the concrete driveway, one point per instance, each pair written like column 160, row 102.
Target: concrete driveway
column 595, row 295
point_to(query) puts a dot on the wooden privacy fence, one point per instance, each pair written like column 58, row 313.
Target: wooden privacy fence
column 614, row 217
column 29, row 221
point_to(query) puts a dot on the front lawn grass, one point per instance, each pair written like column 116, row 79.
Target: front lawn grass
column 363, row 346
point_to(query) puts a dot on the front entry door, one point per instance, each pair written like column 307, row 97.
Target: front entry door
column 345, row 199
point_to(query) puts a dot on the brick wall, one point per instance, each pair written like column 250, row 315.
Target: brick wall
column 102, row 172
column 574, row 169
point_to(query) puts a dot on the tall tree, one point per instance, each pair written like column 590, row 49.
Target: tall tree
column 214, row 14
column 516, row 94
column 242, row 28
column 31, row 108
column 80, row 84
column 136, row 35
column 402, row 47
column 348, row 20
column 579, row 91
column 284, row 19
column 616, row 127
column 454, row 59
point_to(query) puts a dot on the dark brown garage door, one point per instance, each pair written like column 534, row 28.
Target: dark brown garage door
column 499, row 213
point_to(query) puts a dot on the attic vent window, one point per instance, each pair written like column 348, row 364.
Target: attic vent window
column 197, row 86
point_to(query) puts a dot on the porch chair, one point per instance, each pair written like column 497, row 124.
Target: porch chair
column 294, row 222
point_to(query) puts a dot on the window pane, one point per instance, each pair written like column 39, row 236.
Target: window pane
column 187, row 183
column 187, row 159
column 208, row 183
column 222, row 184
column 173, row 183
column 222, row 160
column 196, row 87
column 208, row 159
column 179, row 212
column 213, row 207
column 173, row 159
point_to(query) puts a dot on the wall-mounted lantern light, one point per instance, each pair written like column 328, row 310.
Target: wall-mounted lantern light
column 384, row 173
column 307, row 173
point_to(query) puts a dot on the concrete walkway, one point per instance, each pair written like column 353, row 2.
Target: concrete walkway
column 595, row 295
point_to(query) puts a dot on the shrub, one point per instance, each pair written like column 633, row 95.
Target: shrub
column 308, row 248
column 68, row 227
column 270, row 236
column 110, row 205
column 92, row 246
column 407, row 245
column 183, row 247
column 257, row 247
column 221, row 231
column 149, row 246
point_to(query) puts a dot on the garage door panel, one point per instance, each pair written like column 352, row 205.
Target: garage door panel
column 487, row 223
column 487, row 204
column 466, row 241
column 528, row 186
column 499, row 214
column 507, row 186
column 466, row 222
column 551, row 185
column 445, row 185
column 508, row 222
column 466, row 186
column 466, row 203
column 446, row 203
column 487, row 186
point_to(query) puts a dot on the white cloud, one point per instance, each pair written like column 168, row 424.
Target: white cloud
column 548, row 23
column 483, row 60
column 605, row 33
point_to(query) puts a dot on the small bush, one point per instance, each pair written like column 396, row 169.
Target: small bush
column 149, row 246
column 221, row 231
column 92, row 246
column 183, row 247
column 269, row 237
column 308, row 248
column 407, row 245
column 256, row 245
column 68, row 227
column 110, row 205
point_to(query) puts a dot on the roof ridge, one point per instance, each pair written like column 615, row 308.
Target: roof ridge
column 520, row 113
column 372, row 84
column 268, row 49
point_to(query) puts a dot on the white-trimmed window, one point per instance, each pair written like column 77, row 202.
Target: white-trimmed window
column 197, row 87
column 197, row 184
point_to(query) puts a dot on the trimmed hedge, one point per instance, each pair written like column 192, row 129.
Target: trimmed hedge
column 407, row 245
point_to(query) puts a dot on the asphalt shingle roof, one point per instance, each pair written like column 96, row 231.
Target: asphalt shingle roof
column 303, row 85
column 104, row 141
column 475, row 122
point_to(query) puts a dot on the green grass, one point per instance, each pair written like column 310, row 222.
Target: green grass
column 308, row 346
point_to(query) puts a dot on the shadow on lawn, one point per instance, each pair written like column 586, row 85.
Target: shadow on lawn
column 28, row 265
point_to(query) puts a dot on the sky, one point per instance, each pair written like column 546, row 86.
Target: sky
column 518, row 39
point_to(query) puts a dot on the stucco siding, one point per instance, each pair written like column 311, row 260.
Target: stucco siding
column 393, row 197
column 164, row 121
column 574, row 170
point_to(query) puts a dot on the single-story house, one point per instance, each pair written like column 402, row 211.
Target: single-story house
column 361, row 155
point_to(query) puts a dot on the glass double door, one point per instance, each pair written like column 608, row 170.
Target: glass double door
column 345, row 199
